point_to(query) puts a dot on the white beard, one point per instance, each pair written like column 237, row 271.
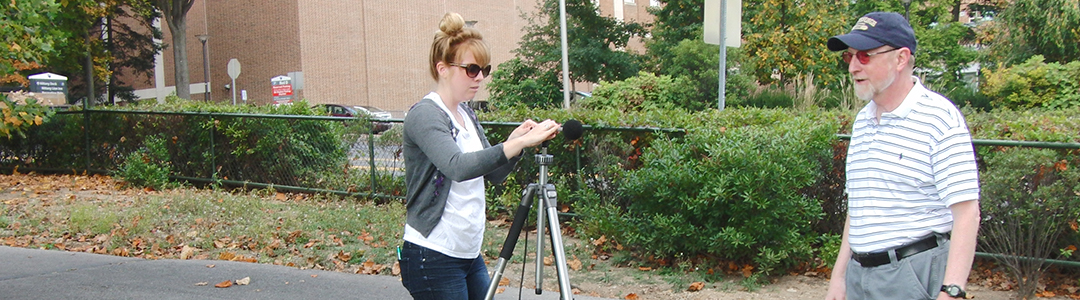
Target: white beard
column 867, row 92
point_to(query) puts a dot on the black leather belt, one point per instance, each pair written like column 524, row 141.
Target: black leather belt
column 875, row 259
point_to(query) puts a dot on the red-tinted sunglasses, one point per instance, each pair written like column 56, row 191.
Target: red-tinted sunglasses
column 474, row 69
column 863, row 57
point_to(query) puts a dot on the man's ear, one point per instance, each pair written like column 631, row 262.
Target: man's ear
column 904, row 58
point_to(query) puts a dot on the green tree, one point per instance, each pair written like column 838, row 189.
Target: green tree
column 1026, row 28
column 594, row 42
column 676, row 21
column 27, row 32
column 786, row 39
column 119, row 36
column 29, row 38
column 697, row 64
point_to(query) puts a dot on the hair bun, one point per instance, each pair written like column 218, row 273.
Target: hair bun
column 452, row 24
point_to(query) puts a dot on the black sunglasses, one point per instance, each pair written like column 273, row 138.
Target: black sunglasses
column 474, row 69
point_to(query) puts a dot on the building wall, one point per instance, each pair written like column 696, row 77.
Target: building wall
column 263, row 35
column 349, row 52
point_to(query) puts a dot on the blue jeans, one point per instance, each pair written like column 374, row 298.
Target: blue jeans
column 428, row 274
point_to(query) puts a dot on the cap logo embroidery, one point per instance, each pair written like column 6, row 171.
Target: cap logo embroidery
column 864, row 24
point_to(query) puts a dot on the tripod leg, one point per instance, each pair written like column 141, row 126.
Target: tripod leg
column 520, row 216
column 551, row 204
column 540, row 246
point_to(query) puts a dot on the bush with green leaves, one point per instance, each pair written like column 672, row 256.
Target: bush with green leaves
column 265, row 144
column 148, row 166
column 1033, row 84
column 17, row 118
column 1029, row 199
column 731, row 191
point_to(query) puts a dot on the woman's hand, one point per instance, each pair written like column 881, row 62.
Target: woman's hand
column 529, row 134
column 522, row 129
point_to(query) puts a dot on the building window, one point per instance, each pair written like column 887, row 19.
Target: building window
column 654, row 3
column 630, row 2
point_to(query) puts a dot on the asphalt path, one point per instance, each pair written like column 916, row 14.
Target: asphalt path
column 52, row 274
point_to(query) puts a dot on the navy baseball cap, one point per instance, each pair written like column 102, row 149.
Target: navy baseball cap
column 874, row 30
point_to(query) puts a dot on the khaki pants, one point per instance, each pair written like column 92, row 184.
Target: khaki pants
column 916, row 277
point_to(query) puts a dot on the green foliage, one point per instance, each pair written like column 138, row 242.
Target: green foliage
column 785, row 39
column 642, row 92
column 695, row 64
column 1029, row 199
column 515, row 82
column 19, row 118
column 27, row 31
column 147, row 166
column 277, row 150
column 1023, row 32
column 534, row 79
column 676, row 21
column 705, row 193
column 1034, row 83
column 943, row 53
column 767, row 97
column 120, row 37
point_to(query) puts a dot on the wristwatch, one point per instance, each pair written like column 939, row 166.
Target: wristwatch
column 954, row 291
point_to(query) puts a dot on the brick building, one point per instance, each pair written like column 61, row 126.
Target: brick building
column 347, row 52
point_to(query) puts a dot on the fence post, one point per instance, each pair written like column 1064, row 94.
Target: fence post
column 213, row 153
column 86, row 133
column 371, row 159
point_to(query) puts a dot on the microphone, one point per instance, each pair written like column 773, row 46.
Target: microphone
column 572, row 130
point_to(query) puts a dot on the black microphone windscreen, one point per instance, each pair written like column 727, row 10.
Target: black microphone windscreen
column 572, row 129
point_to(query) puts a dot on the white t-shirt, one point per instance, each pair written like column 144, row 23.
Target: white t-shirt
column 460, row 231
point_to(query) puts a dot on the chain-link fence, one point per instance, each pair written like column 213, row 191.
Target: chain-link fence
column 288, row 152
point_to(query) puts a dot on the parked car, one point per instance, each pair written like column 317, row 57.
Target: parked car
column 374, row 112
column 338, row 110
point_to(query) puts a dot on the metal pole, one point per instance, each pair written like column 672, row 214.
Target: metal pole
column 722, row 73
column 206, row 67
column 233, row 88
column 565, row 59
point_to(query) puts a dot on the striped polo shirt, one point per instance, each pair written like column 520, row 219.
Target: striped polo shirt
column 905, row 171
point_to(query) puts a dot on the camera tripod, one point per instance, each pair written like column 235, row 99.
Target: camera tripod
column 548, row 202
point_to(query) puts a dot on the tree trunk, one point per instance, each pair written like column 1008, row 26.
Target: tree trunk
column 178, row 28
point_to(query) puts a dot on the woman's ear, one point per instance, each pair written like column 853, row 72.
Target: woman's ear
column 441, row 67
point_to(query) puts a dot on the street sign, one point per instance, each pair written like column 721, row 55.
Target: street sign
column 234, row 68
column 732, row 22
column 282, row 89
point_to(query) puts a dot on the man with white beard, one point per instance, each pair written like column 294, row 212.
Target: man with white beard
column 912, row 182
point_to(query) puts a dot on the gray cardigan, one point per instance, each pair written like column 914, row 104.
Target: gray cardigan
column 432, row 157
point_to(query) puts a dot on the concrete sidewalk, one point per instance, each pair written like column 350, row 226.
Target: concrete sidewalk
column 51, row 274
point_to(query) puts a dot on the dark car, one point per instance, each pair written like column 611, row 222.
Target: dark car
column 378, row 125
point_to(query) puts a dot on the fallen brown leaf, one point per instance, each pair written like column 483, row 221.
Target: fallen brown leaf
column 696, row 286
column 600, row 241
column 574, row 264
column 224, row 284
column 186, row 252
column 631, row 296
